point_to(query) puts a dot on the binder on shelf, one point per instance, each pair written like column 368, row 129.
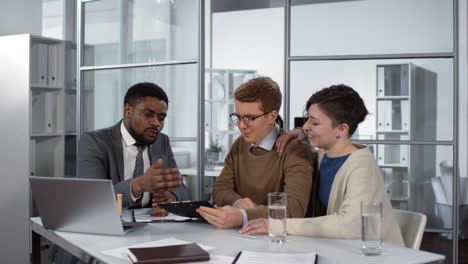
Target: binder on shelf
column 40, row 61
column 37, row 112
column 405, row 115
column 32, row 157
column 388, row 126
column 381, row 154
column 55, row 65
column 404, row 155
column 380, row 115
column 388, row 180
column 396, row 115
column 70, row 69
column 380, row 81
column 404, row 79
column 49, row 112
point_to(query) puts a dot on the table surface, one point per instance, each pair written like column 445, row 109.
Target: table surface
column 329, row 250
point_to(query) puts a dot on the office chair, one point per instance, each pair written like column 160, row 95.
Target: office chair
column 412, row 227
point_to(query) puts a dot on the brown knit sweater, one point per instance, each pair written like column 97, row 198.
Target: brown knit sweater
column 254, row 173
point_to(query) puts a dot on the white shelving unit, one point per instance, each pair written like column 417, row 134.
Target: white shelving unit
column 403, row 90
column 36, row 79
column 219, row 104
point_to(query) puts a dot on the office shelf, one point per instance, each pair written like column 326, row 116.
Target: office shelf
column 401, row 90
column 219, row 104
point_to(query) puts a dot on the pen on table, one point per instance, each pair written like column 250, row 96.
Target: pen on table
column 119, row 203
column 237, row 257
column 247, row 236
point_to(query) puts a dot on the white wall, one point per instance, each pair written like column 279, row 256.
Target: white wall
column 252, row 39
column 53, row 19
column 20, row 17
column 371, row 27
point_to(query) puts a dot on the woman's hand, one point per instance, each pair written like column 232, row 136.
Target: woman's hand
column 283, row 140
column 256, row 226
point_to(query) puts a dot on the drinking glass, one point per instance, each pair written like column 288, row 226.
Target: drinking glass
column 277, row 214
column 371, row 227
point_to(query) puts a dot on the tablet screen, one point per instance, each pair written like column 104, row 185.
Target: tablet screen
column 185, row 208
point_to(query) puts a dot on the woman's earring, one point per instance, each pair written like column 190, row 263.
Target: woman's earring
column 338, row 136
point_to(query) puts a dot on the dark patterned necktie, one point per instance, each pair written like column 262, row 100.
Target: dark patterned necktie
column 139, row 171
column 139, row 161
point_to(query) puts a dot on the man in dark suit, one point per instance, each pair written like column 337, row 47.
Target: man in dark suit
column 134, row 154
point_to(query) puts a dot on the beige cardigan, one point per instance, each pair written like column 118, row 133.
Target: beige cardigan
column 358, row 179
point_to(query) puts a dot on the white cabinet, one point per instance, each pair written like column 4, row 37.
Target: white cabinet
column 404, row 92
column 34, row 134
column 219, row 104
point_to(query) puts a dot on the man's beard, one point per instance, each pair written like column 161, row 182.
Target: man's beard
column 139, row 138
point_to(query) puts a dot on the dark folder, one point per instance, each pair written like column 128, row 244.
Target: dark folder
column 169, row 254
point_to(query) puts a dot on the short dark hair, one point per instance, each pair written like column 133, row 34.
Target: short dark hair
column 261, row 89
column 342, row 104
column 137, row 92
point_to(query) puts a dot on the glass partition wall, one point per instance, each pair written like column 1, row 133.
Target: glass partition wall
column 401, row 56
column 124, row 42
column 405, row 68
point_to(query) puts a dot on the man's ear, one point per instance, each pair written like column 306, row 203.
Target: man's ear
column 128, row 109
column 274, row 115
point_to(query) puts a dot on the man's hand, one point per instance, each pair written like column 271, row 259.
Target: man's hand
column 284, row 138
column 161, row 197
column 156, row 180
column 244, row 203
column 221, row 217
column 256, row 226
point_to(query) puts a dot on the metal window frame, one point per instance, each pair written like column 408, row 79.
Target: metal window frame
column 200, row 61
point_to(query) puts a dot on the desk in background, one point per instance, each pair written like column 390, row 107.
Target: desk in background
column 89, row 247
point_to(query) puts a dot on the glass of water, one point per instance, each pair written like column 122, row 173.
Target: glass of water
column 277, row 214
column 371, row 227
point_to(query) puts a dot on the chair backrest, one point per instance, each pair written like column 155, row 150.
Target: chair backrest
column 412, row 226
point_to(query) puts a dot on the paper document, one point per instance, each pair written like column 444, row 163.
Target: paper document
column 121, row 252
column 144, row 216
column 251, row 257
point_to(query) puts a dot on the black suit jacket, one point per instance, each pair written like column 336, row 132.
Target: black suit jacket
column 100, row 156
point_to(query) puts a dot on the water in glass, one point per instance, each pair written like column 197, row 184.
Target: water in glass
column 371, row 228
column 277, row 223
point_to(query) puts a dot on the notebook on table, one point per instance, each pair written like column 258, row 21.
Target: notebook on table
column 78, row 205
column 168, row 254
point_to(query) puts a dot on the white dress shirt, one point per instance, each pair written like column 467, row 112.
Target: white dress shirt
column 130, row 151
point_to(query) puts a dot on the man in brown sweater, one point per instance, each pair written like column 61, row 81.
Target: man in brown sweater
column 253, row 168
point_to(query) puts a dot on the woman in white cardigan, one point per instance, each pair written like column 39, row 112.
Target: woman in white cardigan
column 348, row 172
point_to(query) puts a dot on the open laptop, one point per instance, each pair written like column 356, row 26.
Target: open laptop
column 78, row 205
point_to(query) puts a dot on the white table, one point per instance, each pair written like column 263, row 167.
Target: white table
column 89, row 247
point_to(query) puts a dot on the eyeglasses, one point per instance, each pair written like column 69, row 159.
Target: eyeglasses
column 248, row 119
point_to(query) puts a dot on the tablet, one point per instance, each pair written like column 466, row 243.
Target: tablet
column 185, row 208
